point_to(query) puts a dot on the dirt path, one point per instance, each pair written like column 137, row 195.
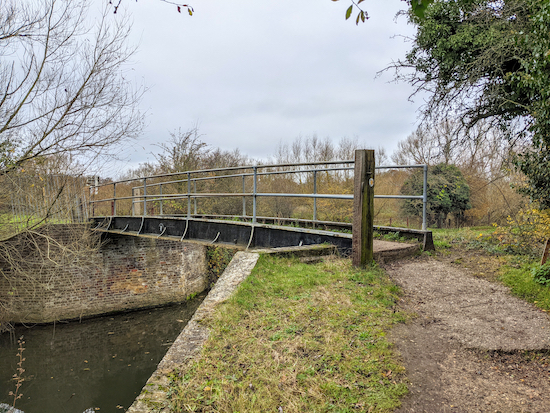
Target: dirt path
column 466, row 349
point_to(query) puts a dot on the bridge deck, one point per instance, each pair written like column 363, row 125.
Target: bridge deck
column 242, row 235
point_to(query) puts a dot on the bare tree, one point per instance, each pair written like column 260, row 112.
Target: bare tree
column 484, row 155
column 65, row 102
column 62, row 83
column 63, row 92
column 185, row 151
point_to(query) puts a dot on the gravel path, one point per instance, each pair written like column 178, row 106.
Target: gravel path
column 465, row 350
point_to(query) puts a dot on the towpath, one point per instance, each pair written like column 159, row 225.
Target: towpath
column 472, row 347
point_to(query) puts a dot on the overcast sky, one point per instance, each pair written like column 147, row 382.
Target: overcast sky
column 253, row 74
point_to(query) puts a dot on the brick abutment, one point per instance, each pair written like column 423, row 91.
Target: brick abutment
column 66, row 272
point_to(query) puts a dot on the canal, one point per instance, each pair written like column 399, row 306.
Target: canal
column 96, row 365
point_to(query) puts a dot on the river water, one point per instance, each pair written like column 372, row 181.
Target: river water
column 97, row 365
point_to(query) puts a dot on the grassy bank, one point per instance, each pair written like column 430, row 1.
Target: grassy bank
column 299, row 338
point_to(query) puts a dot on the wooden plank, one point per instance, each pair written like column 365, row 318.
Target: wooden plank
column 363, row 208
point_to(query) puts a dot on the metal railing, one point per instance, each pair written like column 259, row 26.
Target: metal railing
column 158, row 190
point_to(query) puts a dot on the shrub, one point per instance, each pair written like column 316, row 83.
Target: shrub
column 541, row 274
column 526, row 233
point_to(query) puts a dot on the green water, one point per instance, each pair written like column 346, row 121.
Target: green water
column 97, row 365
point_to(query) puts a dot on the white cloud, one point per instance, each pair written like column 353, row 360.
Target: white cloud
column 253, row 74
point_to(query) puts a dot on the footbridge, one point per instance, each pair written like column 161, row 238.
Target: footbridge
column 258, row 206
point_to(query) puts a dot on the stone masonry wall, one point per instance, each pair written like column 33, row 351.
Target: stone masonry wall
column 51, row 282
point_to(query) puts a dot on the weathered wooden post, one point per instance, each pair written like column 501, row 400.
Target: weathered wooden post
column 363, row 208
column 546, row 252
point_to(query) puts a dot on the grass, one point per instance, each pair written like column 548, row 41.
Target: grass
column 299, row 338
column 390, row 236
column 522, row 284
column 445, row 238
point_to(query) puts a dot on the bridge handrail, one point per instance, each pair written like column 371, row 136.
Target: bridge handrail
column 206, row 178
column 229, row 168
column 144, row 197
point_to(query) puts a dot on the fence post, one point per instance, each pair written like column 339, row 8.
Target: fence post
column 134, row 190
column 160, row 193
column 188, row 195
column 195, row 198
column 363, row 208
column 114, row 199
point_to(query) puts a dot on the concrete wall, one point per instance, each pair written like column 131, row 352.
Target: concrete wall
column 51, row 282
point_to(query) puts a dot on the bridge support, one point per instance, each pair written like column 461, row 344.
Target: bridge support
column 363, row 208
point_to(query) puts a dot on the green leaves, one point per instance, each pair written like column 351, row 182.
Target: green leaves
column 486, row 60
column 541, row 274
column 348, row 11
column 419, row 7
column 361, row 15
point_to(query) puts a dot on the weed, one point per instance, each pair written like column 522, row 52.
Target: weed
column 541, row 274
column 18, row 376
column 217, row 258
column 393, row 236
column 191, row 296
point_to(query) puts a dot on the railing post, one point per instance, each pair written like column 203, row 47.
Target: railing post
column 195, row 198
column 314, row 197
column 133, row 202
column 114, row 199
column 255, row 189
column 160, row 193
column 363, row 208
column 425, row 198
column 244, row 198
column 144, row 212
column 188, row 195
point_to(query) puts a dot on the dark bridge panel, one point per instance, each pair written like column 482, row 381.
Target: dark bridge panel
column 224, row 232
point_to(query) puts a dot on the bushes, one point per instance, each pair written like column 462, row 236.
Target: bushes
column 526, row 233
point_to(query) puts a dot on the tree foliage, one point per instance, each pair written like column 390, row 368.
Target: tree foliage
column 417, row 7
column 448, row 193
column 488, row 60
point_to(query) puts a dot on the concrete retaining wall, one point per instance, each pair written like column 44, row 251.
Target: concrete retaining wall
column 187, row 346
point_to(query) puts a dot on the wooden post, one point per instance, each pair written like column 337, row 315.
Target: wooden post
column 545, row 252
column 363, row 208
